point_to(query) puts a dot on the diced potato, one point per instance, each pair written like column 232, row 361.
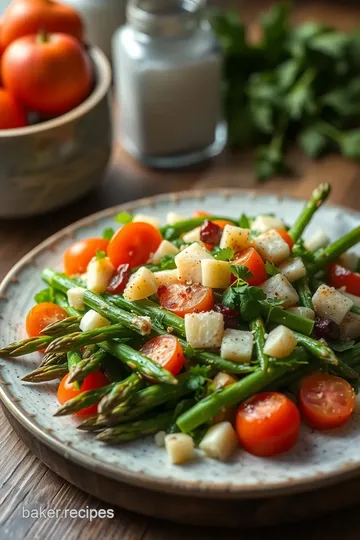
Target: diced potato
column 303, row 312
column 280, row 342
column 350, row 260
column 152, row 220
column 355, row 299
column 165, row 248
column 188, row 262
column 318, row 240
column 179, row 447
column 220, row 441
column 92, row 320
column 223, row 379
column 293, row 269
column 99, row 273
column 192, row 236
column 280, row 288
column 204, row 330
column 75, row 297
column 173, row 217
column 350, row 326
column 237, row 345
column 141, row 285
column 272, row 247
column 215, row 274
column 166, row 277
column 265, row 223
column 160, row 439
column 235, row 238
column 330, row 304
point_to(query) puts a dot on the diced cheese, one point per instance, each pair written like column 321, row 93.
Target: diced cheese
column 350, row 260
column 237, row 345
column 220, row 441
column 280, row 288
column 350, row 326
column 192, row 236
column 235, row 238
column 165, row 248
column 265, row 223
column 330, row 304
column 99, row 273
column 160, row 439
column 215, row 274
column 272, row 247
column 303, row 312
column 141, row 285
column 92, row 320
column 280, row 342
column 318, row 240
column 166, row 278
column 152, row 220
column 293, row 269
column 188, row 262
column 223, row 379
column 179, row 447
column 204, row 330
column 355, row 299
column 173, row 217
column 75, row 297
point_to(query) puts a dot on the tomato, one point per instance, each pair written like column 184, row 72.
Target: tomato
column 285, row 236
column 181, row 299
column 49, row 74
column 66, row 391
column 200, row 213
column 326, row 401
column 268, row 424
column 133, row 244
column 25, row 17
column 12, row 115
column 252, row 260
column 338, row 276
column 221, row 223
column 41, row 315
column 79, row 254
column 166, row 351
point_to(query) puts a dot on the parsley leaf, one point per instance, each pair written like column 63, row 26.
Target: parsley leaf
column 244, row 222
column 123, row 217
column 341, row 346
column 100, row 254
column 167, row 262
column 108, row 233
column 250, row 306
column 231, row 298
column 198, row 377
column 240, row 271
column 271, row 269
column 46, row 295
column 223, row 254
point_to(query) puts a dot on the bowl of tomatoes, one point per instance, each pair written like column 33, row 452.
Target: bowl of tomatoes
column 55, row 116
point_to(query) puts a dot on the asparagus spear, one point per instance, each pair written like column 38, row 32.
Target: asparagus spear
column 77, row 340
column 84, row 400
column 119, row 393
column 171, row 232
column 334, row 250
column 46, row 373
column 73, row 359
column 318, row 197
column 62, row 301
column 304, row 292
column 60, row 328
column 258, row 328
column 294, row 322
column 53, row 359
column 318, row 349
column 26, row 346
column 355, row 309
column 84, row 366
column 139, row 428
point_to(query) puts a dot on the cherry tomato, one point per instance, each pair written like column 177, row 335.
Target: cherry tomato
column 12, row 115
column 268, row 424
column 79, row 254
column 222, row 222
column 286, row 237
column 66, row 391
column 252, row 260
column 133, row 244
column 119, row 280
column 41, row 315
column 50, row 74
column 338, row 276
column 166, row 351
column 181, row 299
column 200, row 213
column 326, row 401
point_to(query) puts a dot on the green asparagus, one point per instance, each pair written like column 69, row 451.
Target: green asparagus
column 258, row 328
column 60, row 328
column 86, row 366
column 334, row 250
column 120, row 393
column 318, row 197
column 73, row 359
column 171, row 232
column 277, row 315
column 77, row 340
column 304, row 292
column 134, row 430
column 46, row 373
column 26, row 346
column 84, row 400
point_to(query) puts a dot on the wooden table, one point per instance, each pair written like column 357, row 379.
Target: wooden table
column 24, row 481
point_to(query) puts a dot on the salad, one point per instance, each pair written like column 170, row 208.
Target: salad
column 210, row 332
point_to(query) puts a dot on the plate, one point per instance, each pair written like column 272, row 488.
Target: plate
column 318, row 459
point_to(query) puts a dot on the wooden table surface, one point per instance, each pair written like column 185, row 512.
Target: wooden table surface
column 24, row 481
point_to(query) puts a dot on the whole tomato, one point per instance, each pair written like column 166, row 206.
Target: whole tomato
column 50, row 74
column 24, row 17
column 12, row 114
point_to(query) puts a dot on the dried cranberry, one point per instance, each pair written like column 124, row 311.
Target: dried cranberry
column 326, row 329
column 210, row 233
column 119, row 280
column 231, row 316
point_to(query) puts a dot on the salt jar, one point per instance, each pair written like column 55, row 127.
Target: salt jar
column 167, row 75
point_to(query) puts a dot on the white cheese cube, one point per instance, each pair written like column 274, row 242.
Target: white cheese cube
column 173, row 217
column 165, row 248
column 355, row 299
column 350, row 260
column 159, row 439
column 75, row 297
column 280, row 288
column 235, row 238
column 330, row 304
column 141, row 285
column 92, row 320
column 166, row 277
column 237, row 345
column 188, row 262
column 223, row 379
column 350, row 326
column 220, row 441
column 154, row 221
column 99, row 273
column 192, row 236
column 179, row 447
column 265, row 223
column 215, row 274
column 293, row 269
column 303, row 312
column 318, row 240
column 204, row 330
column 272, row 247
column 280, row 342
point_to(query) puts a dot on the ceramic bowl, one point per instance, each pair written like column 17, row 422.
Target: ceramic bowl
column 48, row 165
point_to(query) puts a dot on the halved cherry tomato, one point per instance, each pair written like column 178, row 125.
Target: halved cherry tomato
column 339, row 276
column 41, row 315
column 268, row 424
column 133, row 244
column 166, row 351
column 66, row 391
column 78, row 255
column 286, row 237
column 252, row 260
column 181, row 299
column 326, row 401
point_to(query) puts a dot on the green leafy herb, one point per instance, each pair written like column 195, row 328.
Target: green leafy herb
column 273, row 303
column 223, row 254
column 244, row 221
column 341, row 346
column 250, row 306
column 100, row 254
column 46, row 295
column 240, row 271
column 271, row 269
column 123, row 217
column 199, row 375
column 108, row 233
column 167, row 262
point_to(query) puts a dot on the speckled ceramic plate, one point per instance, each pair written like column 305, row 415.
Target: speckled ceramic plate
column 317, row 459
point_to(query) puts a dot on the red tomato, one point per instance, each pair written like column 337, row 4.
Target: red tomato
column 41, row 315
column 254, row 263
column 119, row 280
column 286, row 236
column 49, row 74
column 268, row 424
column 166, row 351
column 12, row 115
column 79, row 254
column 133, row 244
column 182, row 299
column 66, row 391
column 200, row 213
column 326, row 401
column 338, row 276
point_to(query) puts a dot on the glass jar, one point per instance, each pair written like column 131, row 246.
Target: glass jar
column 167, row 74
